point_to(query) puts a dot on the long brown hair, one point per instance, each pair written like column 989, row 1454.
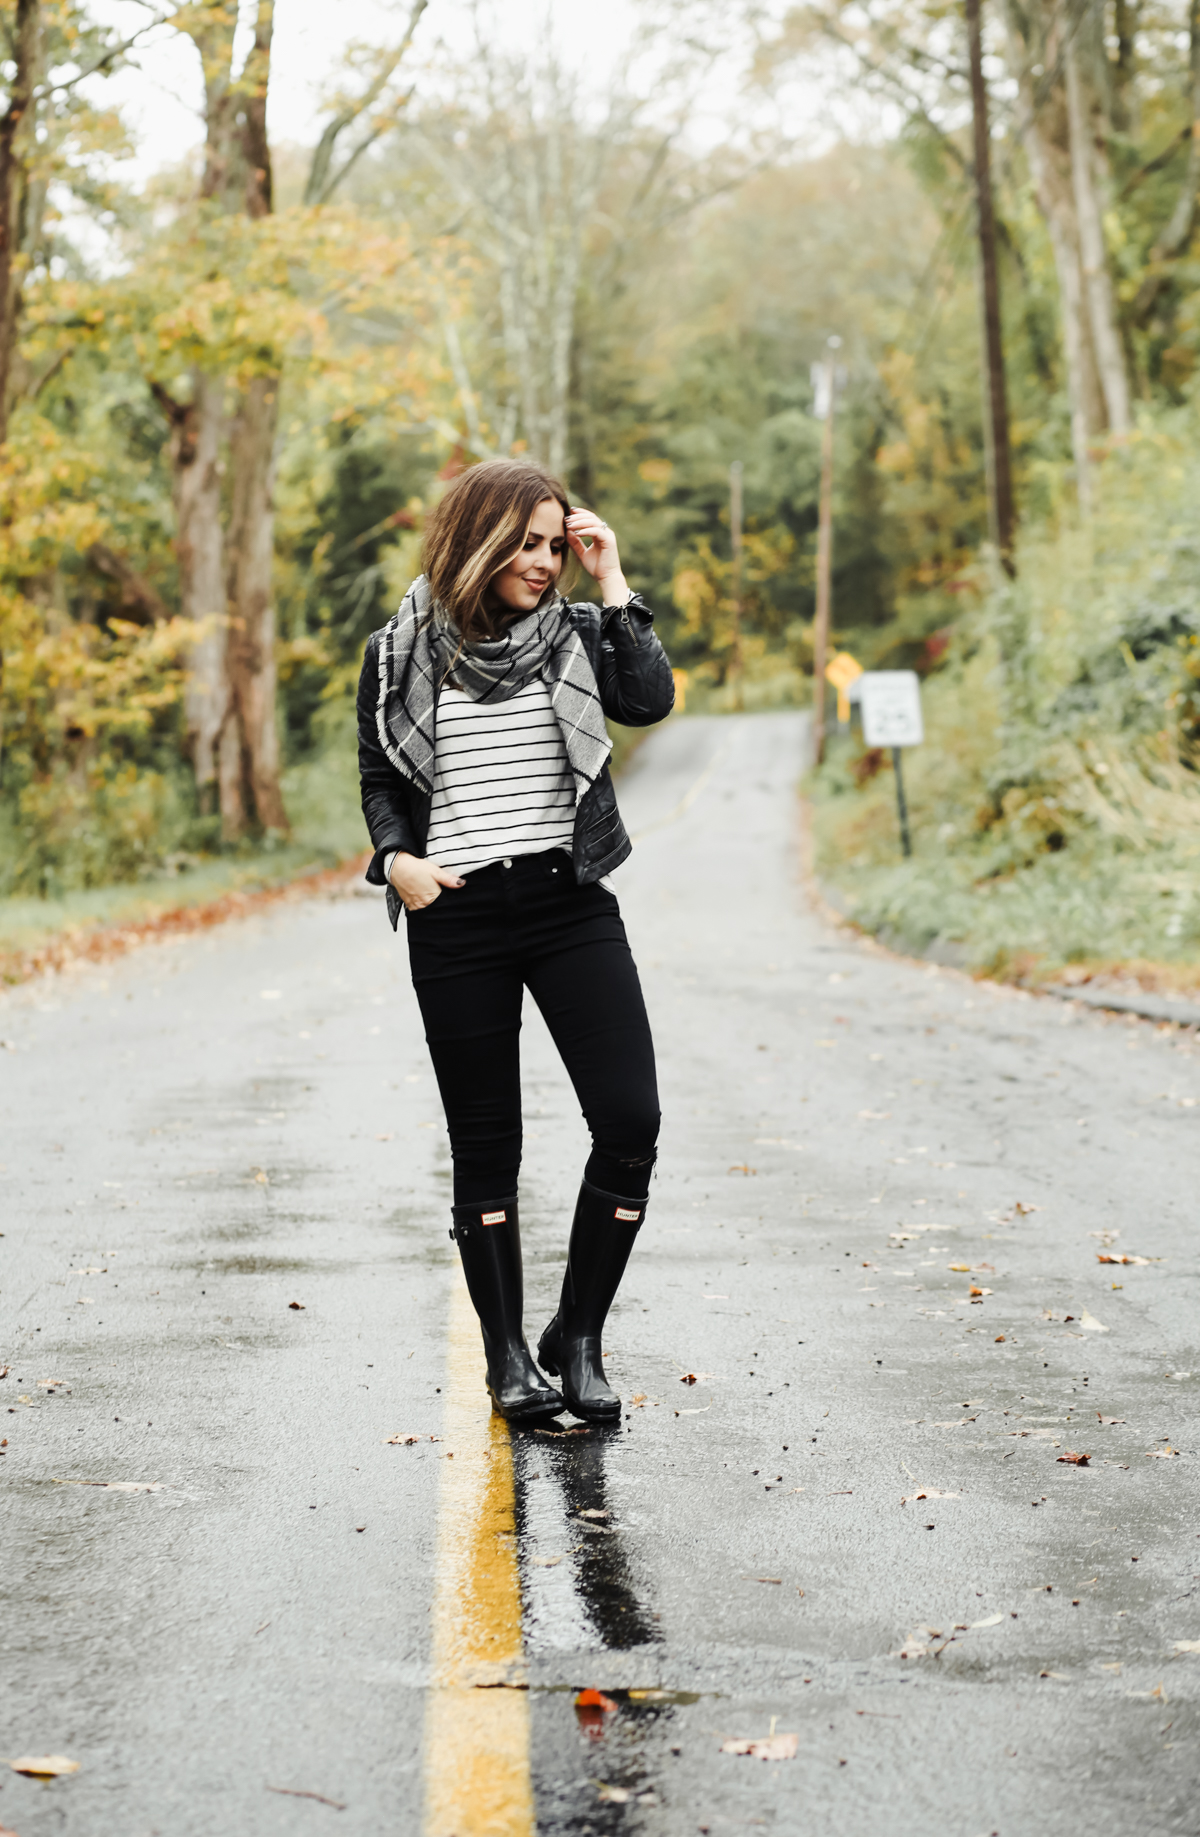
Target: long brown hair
column 476, row 529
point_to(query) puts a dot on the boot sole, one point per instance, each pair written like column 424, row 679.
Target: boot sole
column 533, row 1412
column 592, row 1413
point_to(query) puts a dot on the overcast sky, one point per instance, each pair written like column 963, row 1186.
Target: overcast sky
column 161, row 99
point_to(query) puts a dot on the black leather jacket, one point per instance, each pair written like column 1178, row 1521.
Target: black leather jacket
column 636, row 689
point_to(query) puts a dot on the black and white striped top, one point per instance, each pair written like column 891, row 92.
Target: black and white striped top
column 502, row 785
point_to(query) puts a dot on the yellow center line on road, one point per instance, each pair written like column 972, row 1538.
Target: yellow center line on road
column 477, row 1778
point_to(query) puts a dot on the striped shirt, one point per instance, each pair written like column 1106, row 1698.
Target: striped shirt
column 502, row 785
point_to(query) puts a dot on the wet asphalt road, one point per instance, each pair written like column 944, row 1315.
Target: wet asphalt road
column 200, row 1136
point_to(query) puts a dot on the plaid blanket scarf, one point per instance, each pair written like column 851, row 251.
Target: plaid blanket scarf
column 419, row 647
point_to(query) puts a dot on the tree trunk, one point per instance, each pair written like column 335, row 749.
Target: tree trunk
column 1000, row 495
column 16, row 136
column 195, row 457
column 1046, row 137
column 250, row 788
column 1097, row 276
column 252, row 611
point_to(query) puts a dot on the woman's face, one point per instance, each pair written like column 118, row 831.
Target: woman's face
column 522, row 583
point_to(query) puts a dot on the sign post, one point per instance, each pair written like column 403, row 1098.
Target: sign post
column 891, row 711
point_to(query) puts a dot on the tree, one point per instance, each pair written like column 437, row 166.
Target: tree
column 226, row 537
column 1061, row 69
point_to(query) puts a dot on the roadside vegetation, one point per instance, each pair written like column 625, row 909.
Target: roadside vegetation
column 226, row 408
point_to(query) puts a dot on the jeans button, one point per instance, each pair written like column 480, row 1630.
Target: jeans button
column 508, row 863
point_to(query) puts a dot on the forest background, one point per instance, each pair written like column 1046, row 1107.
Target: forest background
column 230, row 388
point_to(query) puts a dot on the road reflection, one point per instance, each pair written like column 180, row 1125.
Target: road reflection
column 579, row 1576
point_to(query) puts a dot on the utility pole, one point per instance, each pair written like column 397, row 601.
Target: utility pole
column 735, row 534
column 824, row 552
column 1001, row 517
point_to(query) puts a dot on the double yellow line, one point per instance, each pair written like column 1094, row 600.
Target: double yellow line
column 477, row 1777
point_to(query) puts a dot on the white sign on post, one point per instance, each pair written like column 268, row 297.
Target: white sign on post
column 891, row 707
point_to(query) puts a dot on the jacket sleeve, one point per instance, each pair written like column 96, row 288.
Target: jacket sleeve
column 386, row 795
column 634, row 678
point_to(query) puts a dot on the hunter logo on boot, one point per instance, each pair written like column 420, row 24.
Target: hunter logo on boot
column 629, row 1217
column 493, row 1218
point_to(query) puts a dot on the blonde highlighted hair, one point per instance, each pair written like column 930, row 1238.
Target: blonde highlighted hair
column 478, row 526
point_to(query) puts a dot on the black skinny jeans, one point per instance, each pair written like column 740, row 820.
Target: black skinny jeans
column 473, row 952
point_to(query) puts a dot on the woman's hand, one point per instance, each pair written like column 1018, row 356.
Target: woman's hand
column 596, row 546
column 419, row 883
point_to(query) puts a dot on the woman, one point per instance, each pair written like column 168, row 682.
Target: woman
column 486, row 789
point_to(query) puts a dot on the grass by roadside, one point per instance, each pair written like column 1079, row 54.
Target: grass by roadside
column 327, row 845
column 1096, row 906
column 97, row 922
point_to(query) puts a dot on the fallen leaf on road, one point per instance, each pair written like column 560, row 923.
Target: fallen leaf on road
column 1187, row 1645
column 44, row 1766
column 1109, row 1421
column 1075, row 1460
column 777, row 1580
column 613, row 1795
column 1104, row 1257
column 976, row 1293
column 406, row 1441
column 51, row 1384
column 591, row 1707
column 929, row 1492
column 635, row 1403
column 387, row 1136
column 873, row 1116
column 743, row 1167
column 545, row 1562
column 261, row 1179
column 768, row 1747
column 1023, row 1211
column 1162, row 1454
column 118, row 1486
column 960, row 1269
column 993, row 1620
column 1090, row 1324
column 1060, row 1675
column 299, row 1306
column 593, row 1511
column 916, row 1645
column 688, row 1378
column 293, row 1792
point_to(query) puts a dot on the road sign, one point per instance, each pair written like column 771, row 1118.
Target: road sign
column 891, row 708
column 842, row 670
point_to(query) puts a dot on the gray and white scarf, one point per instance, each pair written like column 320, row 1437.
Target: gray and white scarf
column 419, row 647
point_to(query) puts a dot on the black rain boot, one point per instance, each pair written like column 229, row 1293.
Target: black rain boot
column 489, row 1243
column 601, row 1239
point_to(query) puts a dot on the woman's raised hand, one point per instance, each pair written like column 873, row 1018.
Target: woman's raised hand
column 419, row 883
column 596, row 546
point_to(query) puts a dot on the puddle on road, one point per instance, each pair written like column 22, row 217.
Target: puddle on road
column 564, row 1512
